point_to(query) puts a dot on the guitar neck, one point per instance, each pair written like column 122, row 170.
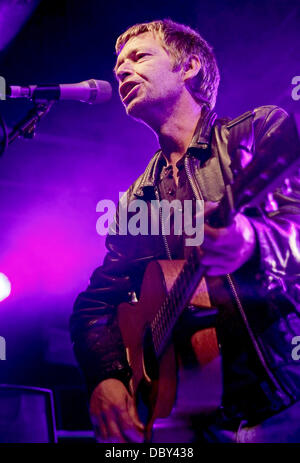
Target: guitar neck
column 178, row 298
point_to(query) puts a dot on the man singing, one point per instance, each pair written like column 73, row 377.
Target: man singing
column 168, row 79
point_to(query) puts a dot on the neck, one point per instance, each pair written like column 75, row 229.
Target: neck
column 175, row 132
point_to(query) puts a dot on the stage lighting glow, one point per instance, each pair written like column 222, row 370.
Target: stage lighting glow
column 5, row 287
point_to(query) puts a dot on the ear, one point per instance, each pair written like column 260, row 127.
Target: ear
column 191, row 67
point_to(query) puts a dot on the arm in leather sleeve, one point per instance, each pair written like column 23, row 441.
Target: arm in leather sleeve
column 96, row 337
column 278, row 232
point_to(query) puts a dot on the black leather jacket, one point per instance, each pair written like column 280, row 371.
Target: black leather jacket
column 266, row 291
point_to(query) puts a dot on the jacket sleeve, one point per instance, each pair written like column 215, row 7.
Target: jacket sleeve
column 95, row 334
column 278, row 231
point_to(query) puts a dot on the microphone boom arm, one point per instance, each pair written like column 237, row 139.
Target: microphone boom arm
column 26, row 128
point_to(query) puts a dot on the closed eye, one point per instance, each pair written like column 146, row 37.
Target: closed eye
column 134, row 56
column 141, row 55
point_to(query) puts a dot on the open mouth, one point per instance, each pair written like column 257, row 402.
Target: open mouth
column 126, row 90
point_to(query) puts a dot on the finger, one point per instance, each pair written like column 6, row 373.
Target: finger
column 214, row 233
column 217, row 271
column 226, row 239
column 115, row 432
column 132, row 429
column 108, row 427
column 132, row 411
column 215, row 248
column 219, row 266
column 100, row 429
column 217, row 244
column 133, row 435
column 209, row 208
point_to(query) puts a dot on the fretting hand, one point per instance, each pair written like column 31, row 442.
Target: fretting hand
column 228, row 248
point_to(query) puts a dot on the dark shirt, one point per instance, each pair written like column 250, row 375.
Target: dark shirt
column 170, row 191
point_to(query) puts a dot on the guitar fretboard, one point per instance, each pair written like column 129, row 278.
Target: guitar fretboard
column 177, row 299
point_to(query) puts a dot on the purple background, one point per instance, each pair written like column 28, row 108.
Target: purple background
column 49, row 187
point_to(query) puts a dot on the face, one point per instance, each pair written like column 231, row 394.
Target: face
column 148, row 86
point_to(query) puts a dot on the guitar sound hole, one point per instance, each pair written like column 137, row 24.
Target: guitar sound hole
column 150, row 360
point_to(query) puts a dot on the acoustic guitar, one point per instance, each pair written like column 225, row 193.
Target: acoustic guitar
column 169, row 286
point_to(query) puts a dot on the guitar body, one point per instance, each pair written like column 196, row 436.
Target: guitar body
column 154, row 390
column 154, row 380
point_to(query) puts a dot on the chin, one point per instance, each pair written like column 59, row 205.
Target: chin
column 136, row 108
column 140, row 109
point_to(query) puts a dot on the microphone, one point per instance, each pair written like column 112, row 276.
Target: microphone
column 90, row 91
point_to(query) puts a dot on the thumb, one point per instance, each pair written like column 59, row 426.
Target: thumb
column 209, row 208
column 132, row 411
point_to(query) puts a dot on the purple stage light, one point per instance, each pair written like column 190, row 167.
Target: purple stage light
column 5, row 287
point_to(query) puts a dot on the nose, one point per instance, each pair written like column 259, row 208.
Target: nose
column 124, row 70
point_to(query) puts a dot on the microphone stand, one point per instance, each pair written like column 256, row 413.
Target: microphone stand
column 26, row 128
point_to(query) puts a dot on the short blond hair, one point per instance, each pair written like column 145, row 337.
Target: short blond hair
column 181, row 42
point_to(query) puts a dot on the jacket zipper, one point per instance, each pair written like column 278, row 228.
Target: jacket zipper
column 168, row 252
column 282, row 394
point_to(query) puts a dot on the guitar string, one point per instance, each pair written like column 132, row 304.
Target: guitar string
column 164, row 320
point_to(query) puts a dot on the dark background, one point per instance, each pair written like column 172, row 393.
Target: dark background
column 49, row 187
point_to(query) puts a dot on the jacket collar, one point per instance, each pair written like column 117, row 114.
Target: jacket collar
column 200, row 142
column 201, row 137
